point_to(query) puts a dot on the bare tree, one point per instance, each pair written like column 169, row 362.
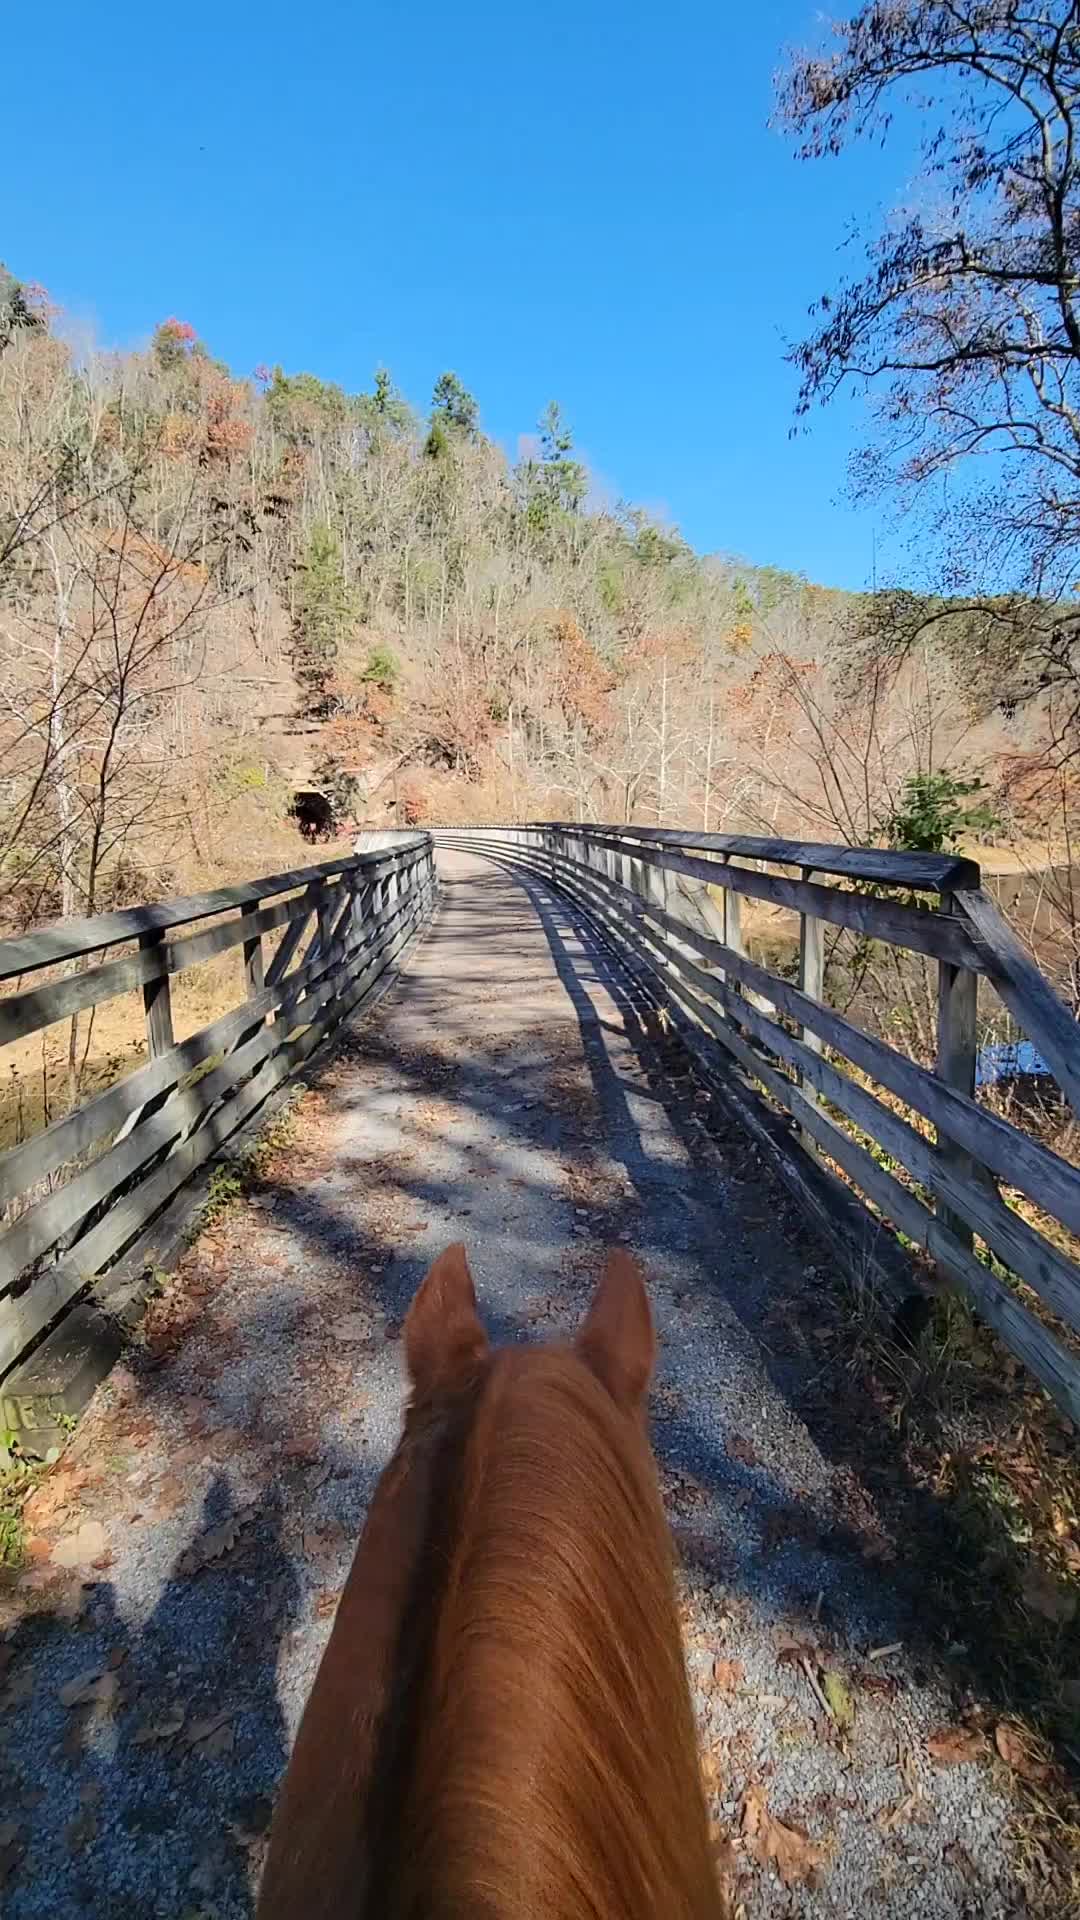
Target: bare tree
column 964, row 328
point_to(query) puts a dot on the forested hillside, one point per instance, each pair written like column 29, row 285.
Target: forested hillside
column 216, row 591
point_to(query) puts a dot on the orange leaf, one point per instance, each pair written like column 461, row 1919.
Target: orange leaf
column 1016, row 1752
column 797, row 1859
column 955, row 1746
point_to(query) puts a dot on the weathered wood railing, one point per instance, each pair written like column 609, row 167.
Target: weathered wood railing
column 77, row 1195
column 670, row 903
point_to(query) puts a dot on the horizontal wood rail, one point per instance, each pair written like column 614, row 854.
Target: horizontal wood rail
column 668, row 902
column 75, row 1196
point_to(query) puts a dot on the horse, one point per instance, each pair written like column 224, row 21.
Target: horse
column 501, row 1723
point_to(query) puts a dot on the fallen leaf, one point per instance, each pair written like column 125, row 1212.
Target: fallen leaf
column 12, row 1848
column 904, row 1811
column 163, row 1728
column 725, row 1865
column 1016, row 1752
column 727, row 1675
column 252, row 1818
column 82, row 1548
column 215, row 1542
column 18, row 1689
column 711, row 1777
column 741, row 1450
column 91, row 1689
column 837, row 1693
column 80, row 1832
column 794, row 1652
column 1050, row 1598
column 958, row 1856
column 954, row 1746
column 222, row 1740
column 326, row 1600
column 208, row 1729
column 797, row 1859
column 886, row 1685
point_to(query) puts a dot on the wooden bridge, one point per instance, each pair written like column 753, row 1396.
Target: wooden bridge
column 877, row 1149
column 577, row 1049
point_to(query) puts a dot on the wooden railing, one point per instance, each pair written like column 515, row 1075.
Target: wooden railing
column 76, row 1195
column 670, row 903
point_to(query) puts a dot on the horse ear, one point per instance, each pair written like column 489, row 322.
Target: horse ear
column 442, row 1327
column 617, row 1340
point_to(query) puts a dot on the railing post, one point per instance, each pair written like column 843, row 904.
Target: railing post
column 958, row 992
column 812, row 983
column 254, row 971
column 157, row 1000
column 733, row 933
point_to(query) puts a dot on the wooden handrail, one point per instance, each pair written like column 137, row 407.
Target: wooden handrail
column 881, row 866
column 826, row 1073
column 71, row 939
column 80, row 1192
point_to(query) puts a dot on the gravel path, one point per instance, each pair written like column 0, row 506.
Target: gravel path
column 186, row 1556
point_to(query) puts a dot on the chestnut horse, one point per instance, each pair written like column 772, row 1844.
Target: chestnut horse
column 501, row 1724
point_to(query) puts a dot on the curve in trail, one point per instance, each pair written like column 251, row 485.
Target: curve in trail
column 186, row 1556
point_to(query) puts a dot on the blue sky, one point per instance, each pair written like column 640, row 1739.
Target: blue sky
column 576, row 200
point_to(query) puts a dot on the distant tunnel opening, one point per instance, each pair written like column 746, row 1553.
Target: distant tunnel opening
column 314, row 814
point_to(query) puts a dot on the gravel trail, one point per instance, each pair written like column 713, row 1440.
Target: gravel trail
column 186, row 1557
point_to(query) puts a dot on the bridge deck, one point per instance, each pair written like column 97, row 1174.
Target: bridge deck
column 185, row 1559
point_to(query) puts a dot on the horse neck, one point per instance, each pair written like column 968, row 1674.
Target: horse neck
column 547, row 1762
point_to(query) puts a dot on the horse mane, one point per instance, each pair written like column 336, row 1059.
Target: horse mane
column 501, row 1724
column 550, row 1674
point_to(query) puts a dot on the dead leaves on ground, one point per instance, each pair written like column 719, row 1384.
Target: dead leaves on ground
column 213, row 1734
column 12, row 1848
column 838, row 1695
column 98, row 1687
column 1050, row 1598
column 955, row 1746
column 798, row 1860
column 164, row 1727
column 215, row 1542
column 210, row 1735
column 902, row 1814
column 1018, row 1752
